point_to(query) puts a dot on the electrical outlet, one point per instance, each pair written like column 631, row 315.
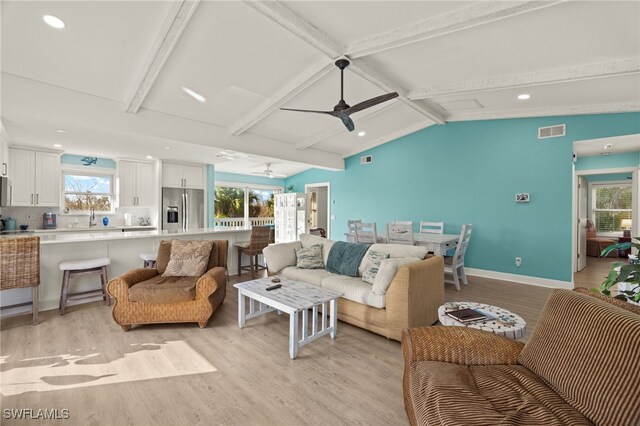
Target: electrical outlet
column 518, row 262
column 31, row 216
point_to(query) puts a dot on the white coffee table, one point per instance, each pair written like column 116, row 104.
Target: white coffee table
column 294, row 298
column 514, row 331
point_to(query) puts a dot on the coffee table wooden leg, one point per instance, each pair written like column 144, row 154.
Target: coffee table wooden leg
column 293, row 335
column 333, row 318
column 240, row 309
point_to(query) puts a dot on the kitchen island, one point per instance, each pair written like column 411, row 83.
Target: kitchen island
column 123, row 248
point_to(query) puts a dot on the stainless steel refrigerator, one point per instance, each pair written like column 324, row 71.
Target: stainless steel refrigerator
column 182, row 209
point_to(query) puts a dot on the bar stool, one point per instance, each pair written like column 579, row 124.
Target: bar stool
column 149, row 260
column 74, row 268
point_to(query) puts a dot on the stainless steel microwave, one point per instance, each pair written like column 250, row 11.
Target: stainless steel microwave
column 5, row 197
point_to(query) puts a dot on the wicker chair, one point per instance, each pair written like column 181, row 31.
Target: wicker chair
column 210, row 291
column 259, row 240
column 20, row 267
column 579, row 362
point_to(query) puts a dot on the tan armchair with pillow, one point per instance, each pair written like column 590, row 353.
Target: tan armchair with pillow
column 187, row 285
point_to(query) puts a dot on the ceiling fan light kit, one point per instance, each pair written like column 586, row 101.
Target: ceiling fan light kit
column 269, row 173
column 342, row 110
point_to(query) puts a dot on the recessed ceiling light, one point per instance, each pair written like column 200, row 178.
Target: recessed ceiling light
column 57, row 145
column 53, row 21
column 361, row 134
column 524, row 96
column 609, row 146
column 61, row 131
column 149, row 157
column 167, row 147
column 197, row 96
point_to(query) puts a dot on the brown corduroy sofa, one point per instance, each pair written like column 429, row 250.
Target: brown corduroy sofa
column 144, row 296
column 580, row 367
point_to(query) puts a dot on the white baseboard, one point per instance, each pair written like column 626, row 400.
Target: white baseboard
column 523, row 279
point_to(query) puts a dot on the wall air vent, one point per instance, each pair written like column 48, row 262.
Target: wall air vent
column 552, row 131
column 366, row 159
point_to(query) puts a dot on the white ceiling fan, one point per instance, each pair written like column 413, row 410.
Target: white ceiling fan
column 269, row 173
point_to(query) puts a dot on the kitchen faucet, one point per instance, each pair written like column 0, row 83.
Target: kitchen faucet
column 92, row 218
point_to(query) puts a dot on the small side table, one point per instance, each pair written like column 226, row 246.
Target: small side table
column 512, row 331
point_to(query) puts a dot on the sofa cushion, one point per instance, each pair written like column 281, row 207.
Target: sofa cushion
column 189, row 258
column 396, row 250
column 308, row 240
column 309, row 258
column 164, row 253
column 387, row 271
column 447, row 393
column 162, row 289
column 353, row 288
column 373, row 259
column 312, row 276
column 279, row 256
column 587, row 350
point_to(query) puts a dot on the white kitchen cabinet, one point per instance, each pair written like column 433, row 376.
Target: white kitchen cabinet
column 136, row 183
column 4, row 157
column 35, row 178
column 181, row 176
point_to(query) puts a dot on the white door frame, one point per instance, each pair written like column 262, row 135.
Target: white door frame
column 635, row 214
column 327, row 185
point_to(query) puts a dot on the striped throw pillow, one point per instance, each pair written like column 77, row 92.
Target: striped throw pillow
column 310, row 258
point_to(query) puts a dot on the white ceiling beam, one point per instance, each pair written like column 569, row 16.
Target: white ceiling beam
column 374, row 77
column 175, row 22
column 288, row 92
column 296, row 24
column 615, row 68
column 478, row 13
column 338, row 127
column 547, row 112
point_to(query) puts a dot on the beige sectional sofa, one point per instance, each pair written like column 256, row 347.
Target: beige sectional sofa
column 412, row 298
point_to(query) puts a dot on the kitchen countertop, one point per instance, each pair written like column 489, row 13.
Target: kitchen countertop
column 92, row 229
column 61, row 238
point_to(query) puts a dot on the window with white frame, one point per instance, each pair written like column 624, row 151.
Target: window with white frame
column 611, row 204
column 84, row 191
column 240, row 204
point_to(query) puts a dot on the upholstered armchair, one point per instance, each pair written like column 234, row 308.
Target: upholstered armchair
column 578, row 368
column 145, row 296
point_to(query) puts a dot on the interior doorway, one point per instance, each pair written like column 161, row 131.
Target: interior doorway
column 319, row 205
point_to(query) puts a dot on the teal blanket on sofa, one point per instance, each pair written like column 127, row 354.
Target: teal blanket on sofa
column 344, row 258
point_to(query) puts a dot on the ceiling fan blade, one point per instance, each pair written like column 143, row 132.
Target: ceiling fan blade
column 370, row 102
column 306, row 110
column 348, row 122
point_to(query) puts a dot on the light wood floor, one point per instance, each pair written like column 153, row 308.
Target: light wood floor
column 596, row 271
column 354, row 379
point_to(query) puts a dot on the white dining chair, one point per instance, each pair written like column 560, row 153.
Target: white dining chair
column 351, row 230
column 366, row 233
column 454, row 265
column 431, row 227
column 403, row 222
column 400, row 233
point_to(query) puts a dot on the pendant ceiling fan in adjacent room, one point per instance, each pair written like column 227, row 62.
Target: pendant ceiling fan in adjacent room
column 342, row 110
column 269, row 173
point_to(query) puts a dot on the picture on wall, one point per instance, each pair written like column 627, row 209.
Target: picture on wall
column 522, row 198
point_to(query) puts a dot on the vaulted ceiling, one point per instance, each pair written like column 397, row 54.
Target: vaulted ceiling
column 113, row 77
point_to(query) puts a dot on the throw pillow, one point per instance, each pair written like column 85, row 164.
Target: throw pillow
column 374, row 258
column 188, row 258
column 310, row 258
column 387, row 271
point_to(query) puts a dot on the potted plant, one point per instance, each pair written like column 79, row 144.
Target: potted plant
column 626, row 276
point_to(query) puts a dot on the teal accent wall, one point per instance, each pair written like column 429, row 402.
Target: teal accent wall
column 239, row 178
column 609, row 177
column 469, row 172
column 211, row 190
column 628, row 159
column 74, row 160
